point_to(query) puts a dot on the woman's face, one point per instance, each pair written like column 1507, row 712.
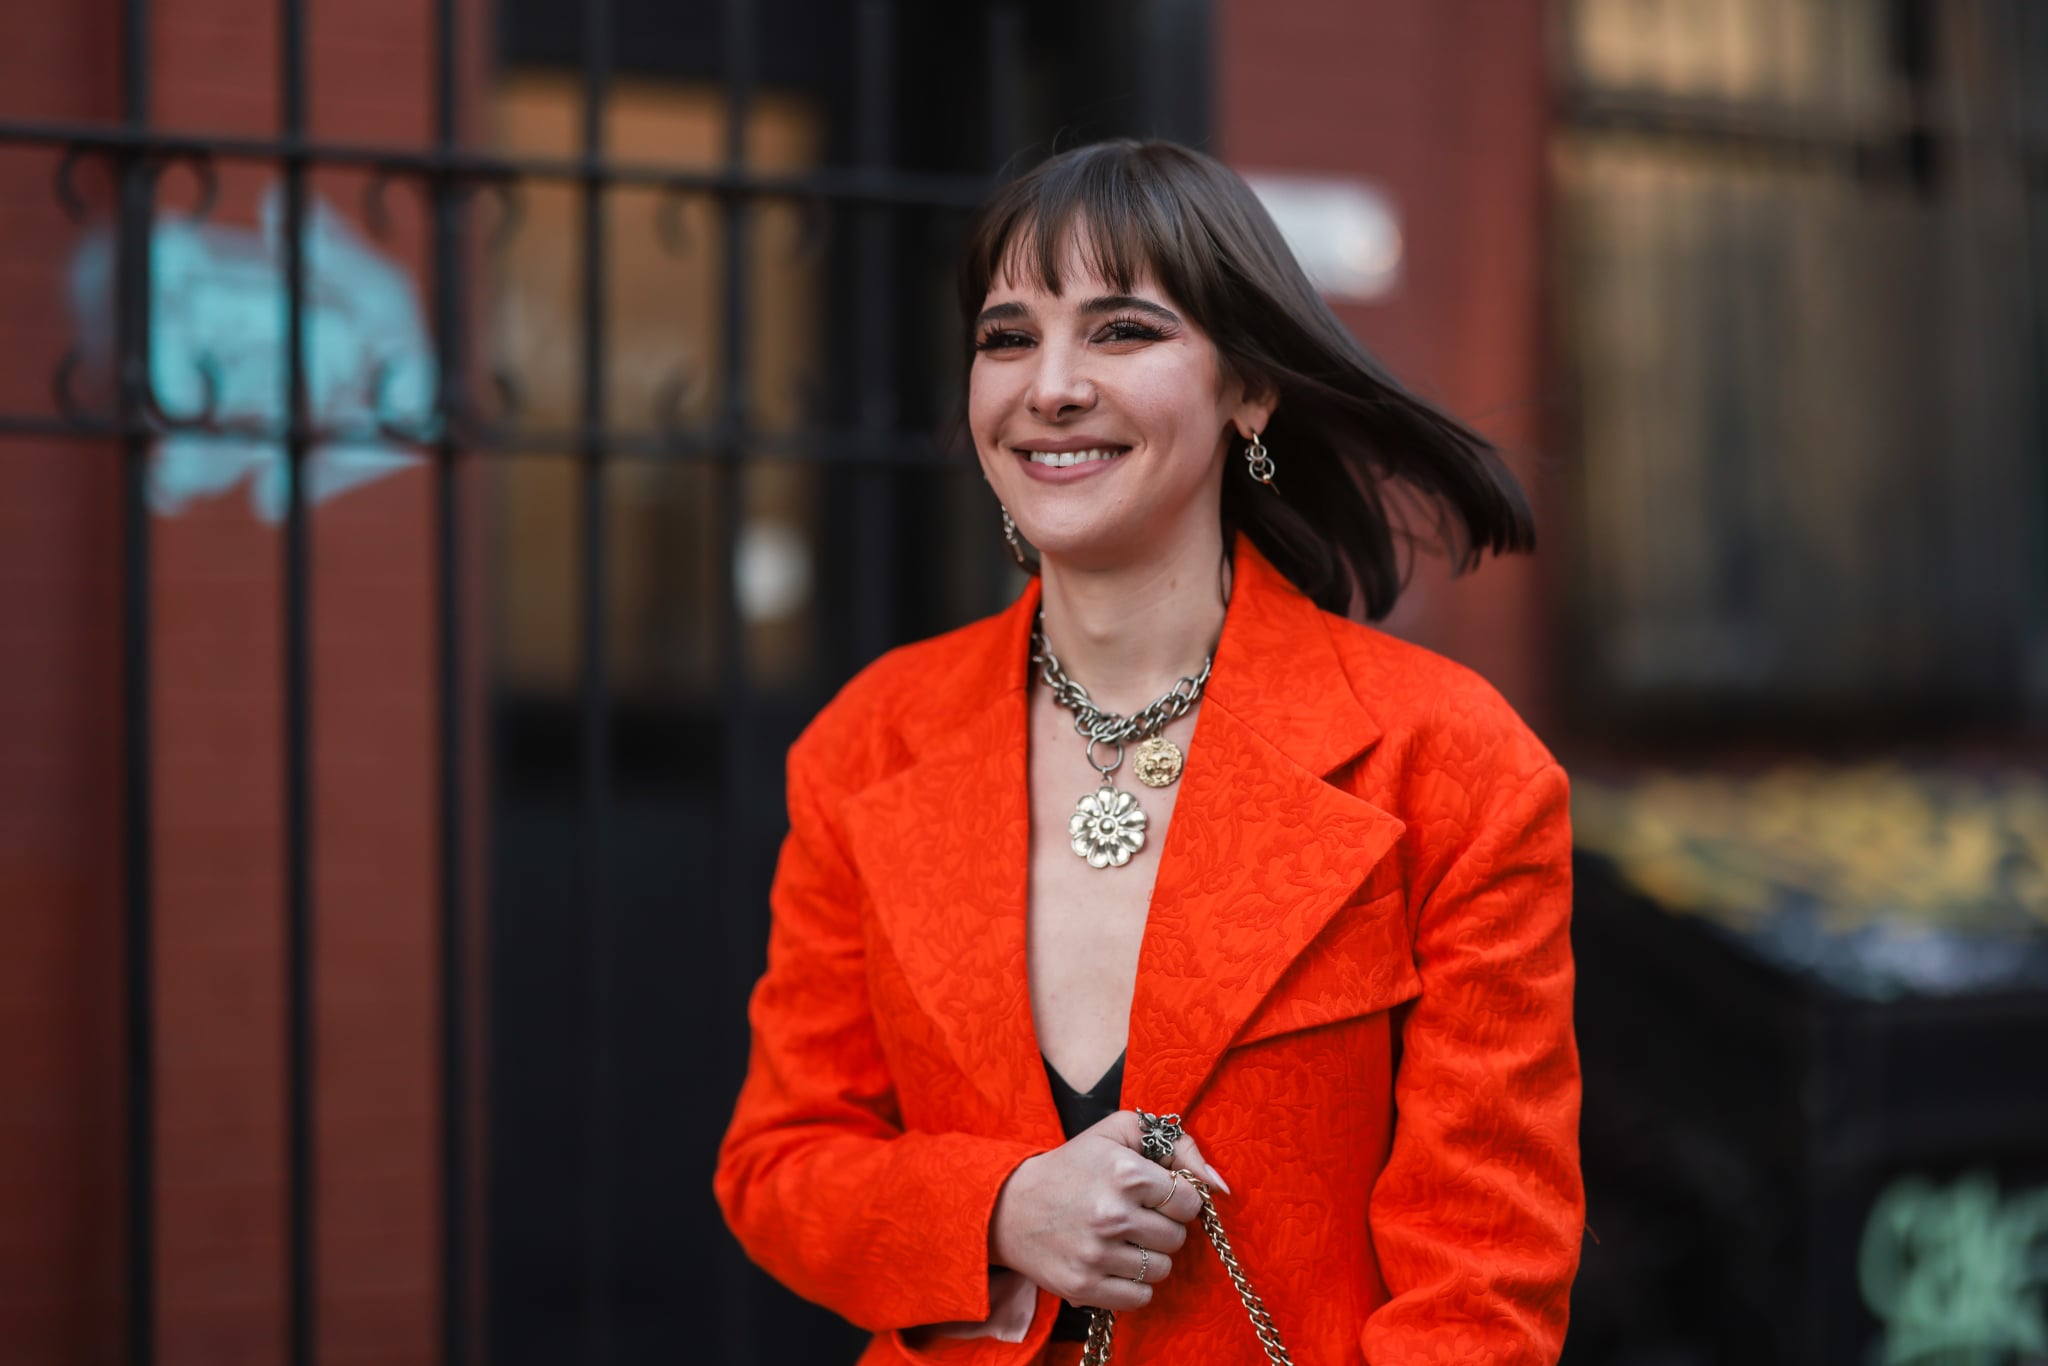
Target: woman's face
column 1101, row 417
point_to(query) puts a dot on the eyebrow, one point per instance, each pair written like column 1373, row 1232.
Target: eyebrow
column 1106, row 303
column 1120, row 303
column 1002, row 313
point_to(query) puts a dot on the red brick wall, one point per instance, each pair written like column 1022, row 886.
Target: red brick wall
column 60, row 943
column 217, row 715
column 1442, row 105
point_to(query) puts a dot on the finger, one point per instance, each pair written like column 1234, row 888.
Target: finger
column 1126, row 1128
column 1120, row 1126
column 1160, row 1232
column 1187, row 1154
column 1180, row 1201
column 1129, row 1262
column 1114, row 1292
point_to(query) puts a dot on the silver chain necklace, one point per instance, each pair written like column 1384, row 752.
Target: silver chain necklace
column 1108, row 825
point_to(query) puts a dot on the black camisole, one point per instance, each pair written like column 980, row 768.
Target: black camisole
column 1081, row 1110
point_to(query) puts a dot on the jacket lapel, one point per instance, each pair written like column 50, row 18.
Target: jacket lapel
column 943, row 848
column 1262, row 852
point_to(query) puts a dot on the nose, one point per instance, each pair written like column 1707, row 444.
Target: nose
column 1060, row 387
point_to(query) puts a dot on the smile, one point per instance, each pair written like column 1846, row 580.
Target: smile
column 1062, row 459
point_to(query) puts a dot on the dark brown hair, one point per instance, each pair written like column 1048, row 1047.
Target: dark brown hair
column 1345, row 434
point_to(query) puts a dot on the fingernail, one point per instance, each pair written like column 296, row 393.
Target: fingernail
column 1217, row 1177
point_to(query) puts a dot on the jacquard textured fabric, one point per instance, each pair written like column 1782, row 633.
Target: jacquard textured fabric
column 1355, row 986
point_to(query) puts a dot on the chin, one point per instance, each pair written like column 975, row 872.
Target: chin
column 1098, row 534
column 1092, row 548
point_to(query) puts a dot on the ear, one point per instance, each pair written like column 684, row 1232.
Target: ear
column 1255, row 409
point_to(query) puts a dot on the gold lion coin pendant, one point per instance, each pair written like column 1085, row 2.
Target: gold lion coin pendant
column 1159, row 762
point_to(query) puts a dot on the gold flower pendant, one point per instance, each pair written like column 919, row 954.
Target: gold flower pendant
column 1108, row 827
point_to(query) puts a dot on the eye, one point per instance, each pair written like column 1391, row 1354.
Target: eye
column 1130, row 329
column 1000, row 340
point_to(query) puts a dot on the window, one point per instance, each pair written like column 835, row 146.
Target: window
column 1801, row 269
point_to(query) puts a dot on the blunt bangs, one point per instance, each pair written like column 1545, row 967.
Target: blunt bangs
column 1125, row 219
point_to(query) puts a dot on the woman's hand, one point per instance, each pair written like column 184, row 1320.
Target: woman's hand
column 1084, row 1219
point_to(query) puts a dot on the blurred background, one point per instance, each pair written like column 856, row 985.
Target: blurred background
column 391, row 724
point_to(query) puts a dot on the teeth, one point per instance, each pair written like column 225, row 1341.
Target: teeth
column 1062, row 459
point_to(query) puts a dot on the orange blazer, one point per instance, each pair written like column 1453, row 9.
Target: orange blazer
column 1355, row 986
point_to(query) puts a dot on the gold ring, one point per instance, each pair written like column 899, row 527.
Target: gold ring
column 1172, row 1185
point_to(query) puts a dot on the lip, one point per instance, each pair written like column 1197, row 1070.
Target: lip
column 1052, row 474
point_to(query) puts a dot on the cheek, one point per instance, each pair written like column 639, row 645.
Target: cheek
column 1177, row 404
column 988, row 398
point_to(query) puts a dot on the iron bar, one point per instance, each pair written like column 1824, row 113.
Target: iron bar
column 600, row 1223
column 729, row 494
column 131, row 376
column 909, row 449
column 909, row 189
column 1823, row 137
column 873, row 521
column 1006, row 82
column 450, row 330
column 302, row 1276
column 737, row 442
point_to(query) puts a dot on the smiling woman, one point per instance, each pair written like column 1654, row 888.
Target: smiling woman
column 1141, row 245
column 1325, row 947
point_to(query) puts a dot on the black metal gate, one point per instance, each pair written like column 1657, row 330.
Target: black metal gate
column 630, row 830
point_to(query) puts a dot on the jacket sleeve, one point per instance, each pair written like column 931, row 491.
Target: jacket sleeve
column 816, row 1176
column 1478, row 1214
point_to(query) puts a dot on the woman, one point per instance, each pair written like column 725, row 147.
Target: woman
column 1343, row 963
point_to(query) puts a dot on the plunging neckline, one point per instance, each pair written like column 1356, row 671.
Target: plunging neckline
column 1101, row 1097
column 1114, row 1070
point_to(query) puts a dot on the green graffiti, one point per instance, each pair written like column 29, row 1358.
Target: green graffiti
column 1956, row 1272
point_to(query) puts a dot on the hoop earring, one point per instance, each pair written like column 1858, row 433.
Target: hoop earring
column 1016, row 544
column 1259, row 462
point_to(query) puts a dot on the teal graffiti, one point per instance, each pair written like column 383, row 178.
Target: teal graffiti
column 217, row 324
column 1955, row 1273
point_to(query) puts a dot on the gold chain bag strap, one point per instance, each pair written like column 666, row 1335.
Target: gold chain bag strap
column 1162, row 1132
